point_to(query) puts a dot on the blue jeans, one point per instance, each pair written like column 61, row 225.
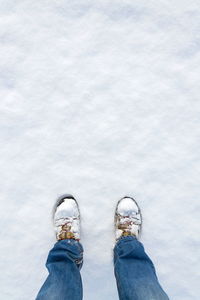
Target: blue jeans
column 134, row 272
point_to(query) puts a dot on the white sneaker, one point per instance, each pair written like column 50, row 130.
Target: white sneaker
column 67, row 218
column 128, row 218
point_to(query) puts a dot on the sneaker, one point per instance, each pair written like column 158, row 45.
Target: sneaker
column 128, row 218
column 67, row 218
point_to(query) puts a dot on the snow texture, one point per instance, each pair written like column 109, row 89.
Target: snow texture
column 99, row 99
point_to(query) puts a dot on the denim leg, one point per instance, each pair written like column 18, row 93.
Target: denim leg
column 135, row 272
column 64, row 280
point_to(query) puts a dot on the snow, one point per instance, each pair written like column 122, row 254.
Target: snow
column 99, row 99
column 68, row 208
column 127, row 207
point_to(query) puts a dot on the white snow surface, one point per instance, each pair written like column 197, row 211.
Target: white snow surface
column 99, row 99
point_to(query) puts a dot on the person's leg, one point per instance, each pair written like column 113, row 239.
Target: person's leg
column 134, row 271
column 65, row 259
column 64, row 280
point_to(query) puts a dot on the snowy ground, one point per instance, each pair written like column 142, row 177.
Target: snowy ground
column 99, row 99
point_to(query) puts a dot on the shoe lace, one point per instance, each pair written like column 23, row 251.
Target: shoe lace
column 125, row 222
